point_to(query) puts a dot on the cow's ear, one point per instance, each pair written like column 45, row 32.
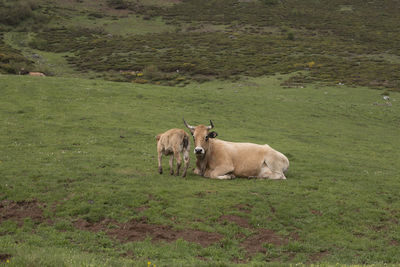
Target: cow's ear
column 212, row 135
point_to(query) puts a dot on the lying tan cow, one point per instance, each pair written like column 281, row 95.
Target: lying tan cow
column 174, row 142
column 226, row 160
column 34, row 73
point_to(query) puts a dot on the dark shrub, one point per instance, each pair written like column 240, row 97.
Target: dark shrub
column 12, row 13
column 117, row 4
column 290, row 36
column 270, row 2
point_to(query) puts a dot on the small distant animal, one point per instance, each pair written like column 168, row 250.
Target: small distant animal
column 34, row 73
column 220, row 159
column 173, row 143
column 385, row 97
column 23, row 71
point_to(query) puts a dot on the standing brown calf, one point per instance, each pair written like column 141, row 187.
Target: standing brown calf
column 174, row 142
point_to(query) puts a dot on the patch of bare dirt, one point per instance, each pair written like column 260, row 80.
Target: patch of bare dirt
column 294, row 236
column 246, row 208
column 18, row 211
column 317, row 257
column 134, row 230
column 253, row 244
column 242, row 222
column 316, row 212
column 141, row 208
column 138, row 230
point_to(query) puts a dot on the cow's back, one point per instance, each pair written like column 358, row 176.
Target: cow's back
column 247, row 159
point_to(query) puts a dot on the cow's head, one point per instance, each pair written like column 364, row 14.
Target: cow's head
column 201, row 135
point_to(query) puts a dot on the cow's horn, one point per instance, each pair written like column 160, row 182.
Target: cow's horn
column 187, row 125
column 211, row 125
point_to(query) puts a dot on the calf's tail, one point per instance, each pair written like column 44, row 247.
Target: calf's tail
column 185, row 142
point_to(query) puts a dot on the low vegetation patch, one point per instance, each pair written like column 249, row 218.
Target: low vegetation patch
column 174, row 58
column 11, row 60
column 12, row 13
column 229, row 39
column 5, row 258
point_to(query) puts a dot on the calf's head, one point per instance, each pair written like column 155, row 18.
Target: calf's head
column 201, row 136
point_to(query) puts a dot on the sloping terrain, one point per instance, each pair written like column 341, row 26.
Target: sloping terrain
column 78, row 168
column 178, row 42
column 79, row 182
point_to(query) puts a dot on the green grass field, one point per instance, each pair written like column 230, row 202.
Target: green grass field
column 78, row 165
column 79, row 175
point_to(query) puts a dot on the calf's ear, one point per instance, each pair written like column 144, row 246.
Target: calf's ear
column 212, row 134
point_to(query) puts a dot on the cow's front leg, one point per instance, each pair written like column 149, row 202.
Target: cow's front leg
column 200, row 168
column 197, row 171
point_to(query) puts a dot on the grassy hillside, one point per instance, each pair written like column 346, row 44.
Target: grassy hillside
column 79, row 182
column 180, row 42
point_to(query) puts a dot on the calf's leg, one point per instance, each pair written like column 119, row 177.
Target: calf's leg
column 159, row 162
column 178, row 161
column 171, row 166
column 186, row 159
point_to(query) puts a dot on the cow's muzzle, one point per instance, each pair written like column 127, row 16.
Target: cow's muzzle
column 199, row 151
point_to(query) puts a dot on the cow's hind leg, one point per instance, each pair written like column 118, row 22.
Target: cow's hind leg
column 266, row 172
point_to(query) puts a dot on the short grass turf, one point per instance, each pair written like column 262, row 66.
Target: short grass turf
column 85, row 150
